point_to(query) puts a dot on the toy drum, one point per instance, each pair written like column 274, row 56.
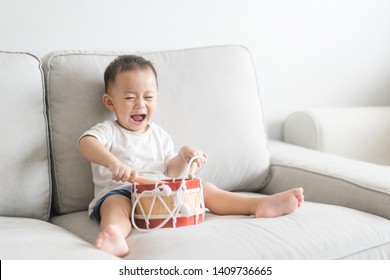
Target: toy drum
column 171, row 203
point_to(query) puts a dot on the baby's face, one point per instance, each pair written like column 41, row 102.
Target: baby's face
column 134, row 98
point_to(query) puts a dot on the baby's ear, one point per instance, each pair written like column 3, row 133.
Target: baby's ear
column 107, row 101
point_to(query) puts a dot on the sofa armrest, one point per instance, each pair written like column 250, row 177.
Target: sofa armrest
column 361, row 133
column 329, row 179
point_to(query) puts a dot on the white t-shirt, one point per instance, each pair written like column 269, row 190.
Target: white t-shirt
column 147, row 153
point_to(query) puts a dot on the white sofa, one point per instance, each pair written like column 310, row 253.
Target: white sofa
column 209, row 99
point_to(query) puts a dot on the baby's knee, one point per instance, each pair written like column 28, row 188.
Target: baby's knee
column 209, row 186
column 210, row 190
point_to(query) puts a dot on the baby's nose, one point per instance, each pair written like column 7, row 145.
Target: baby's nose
column 140, row 103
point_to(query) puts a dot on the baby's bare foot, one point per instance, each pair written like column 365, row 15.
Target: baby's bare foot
column 111, row 240
column 279, row 204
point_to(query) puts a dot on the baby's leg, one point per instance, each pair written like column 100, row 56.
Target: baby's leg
column 115, row 225
column 229, row 203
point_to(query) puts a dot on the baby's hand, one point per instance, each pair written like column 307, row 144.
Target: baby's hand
column 122, row 172
column 187, row 153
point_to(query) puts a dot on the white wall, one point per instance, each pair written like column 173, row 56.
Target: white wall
column 308, row 53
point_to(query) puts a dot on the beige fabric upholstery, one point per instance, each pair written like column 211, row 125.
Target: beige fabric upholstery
column 25, row 189
column 330, row 179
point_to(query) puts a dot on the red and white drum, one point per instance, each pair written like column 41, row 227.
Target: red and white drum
column 171, row 203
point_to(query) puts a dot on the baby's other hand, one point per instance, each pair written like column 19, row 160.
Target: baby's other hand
column 122, row 172
column 188, row 152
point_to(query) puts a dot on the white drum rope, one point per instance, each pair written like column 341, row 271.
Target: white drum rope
column 164, row 190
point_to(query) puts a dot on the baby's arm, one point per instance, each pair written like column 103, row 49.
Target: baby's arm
column 95, row 152
column 177, row 164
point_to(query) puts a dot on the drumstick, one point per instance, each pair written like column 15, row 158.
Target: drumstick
column 144, row 180
column 194, row 167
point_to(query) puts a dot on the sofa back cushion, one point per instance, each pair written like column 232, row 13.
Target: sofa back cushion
column 24, row 164
column 208, row 99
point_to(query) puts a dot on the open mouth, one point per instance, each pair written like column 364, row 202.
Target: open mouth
column 138, row 118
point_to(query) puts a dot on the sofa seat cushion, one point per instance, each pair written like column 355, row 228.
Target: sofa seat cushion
column 315, row 231
column 25, row 187
column 24, row 239
column 208, row 99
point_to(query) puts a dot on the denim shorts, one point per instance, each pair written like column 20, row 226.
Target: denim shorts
column 125, row 191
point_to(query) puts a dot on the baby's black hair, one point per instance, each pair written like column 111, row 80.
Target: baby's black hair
column 125, row 63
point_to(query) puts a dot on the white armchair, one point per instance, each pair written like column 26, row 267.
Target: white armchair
column 361, row 133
